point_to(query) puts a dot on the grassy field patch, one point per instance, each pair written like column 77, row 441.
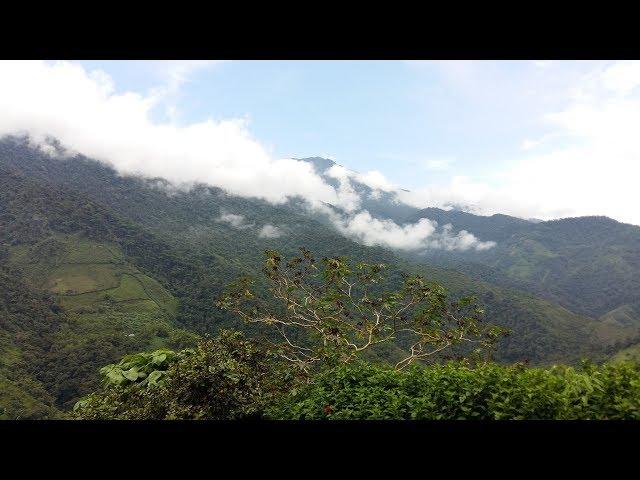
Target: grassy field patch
column 75, row 279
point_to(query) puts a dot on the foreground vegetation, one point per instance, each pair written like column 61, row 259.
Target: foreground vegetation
column 458, row 391
column 230, row 377
column 322, row 375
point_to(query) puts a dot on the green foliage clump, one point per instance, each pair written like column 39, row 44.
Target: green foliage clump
column 458, row 390
column 141, row 369
column 227, row 377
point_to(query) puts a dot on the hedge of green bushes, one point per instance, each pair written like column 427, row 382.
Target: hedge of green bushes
column 458, row 391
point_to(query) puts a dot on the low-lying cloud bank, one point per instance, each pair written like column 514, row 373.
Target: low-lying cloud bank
column 85, row 113
column 239, row 222
column 270, row 231
column 416, row 236
column 236, row 221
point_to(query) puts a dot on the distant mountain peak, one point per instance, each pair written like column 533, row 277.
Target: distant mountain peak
column 320, row 164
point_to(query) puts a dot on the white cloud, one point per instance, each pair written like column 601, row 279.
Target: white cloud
column 529, row 144
column 85, row 112
column 622, row 77
column 421, row 235
column 588, row 162
column 596, row 172
column 349, row 198
column 463, row 240
column 375, row 180
column 236, row 221
column 270, row 231
column 174, row 74
column 479, row 198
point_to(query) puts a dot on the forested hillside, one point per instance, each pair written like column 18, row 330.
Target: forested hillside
column 96, row 265
column 71, row 300
column 587, row 264
column 28, row 322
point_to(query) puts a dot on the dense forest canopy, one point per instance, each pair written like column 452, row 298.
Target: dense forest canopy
column 96, row 266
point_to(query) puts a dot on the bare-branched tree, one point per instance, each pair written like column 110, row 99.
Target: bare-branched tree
column 345, row 311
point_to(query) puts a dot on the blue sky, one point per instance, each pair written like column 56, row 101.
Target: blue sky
column 544, row 139
column 393, row 116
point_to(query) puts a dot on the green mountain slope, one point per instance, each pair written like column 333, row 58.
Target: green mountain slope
column 130, row 264
column 28, row 321
column 72, row 301
column 628, row 354
column 542, row 332
column 17, row 403
column 590, row 265
column 110, row 307
column 80, row 273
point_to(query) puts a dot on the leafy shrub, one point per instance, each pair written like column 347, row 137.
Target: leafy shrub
column 140, row 368
column 226, row 377
column 458, row 391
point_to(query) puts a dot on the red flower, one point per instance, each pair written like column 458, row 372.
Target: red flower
column 328, row 409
